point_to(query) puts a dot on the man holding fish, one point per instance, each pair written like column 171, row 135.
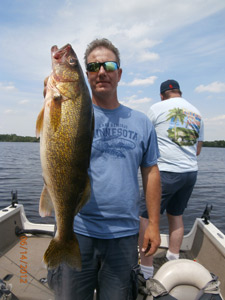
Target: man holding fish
column 107, row 226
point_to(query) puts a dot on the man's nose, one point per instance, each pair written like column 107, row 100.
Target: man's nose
column 101, row 70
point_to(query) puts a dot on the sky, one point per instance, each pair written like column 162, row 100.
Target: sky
column 157, row 40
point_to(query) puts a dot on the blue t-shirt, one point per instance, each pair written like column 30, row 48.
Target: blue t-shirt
column 124, row 140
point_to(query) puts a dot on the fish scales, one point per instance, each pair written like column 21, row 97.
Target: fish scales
column 66, row 130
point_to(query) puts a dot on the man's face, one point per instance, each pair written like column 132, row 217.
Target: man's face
column 103, row 82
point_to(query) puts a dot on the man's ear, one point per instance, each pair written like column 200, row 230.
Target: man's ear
column 120, row 73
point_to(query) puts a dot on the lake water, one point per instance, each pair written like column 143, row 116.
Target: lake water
column 20, row 170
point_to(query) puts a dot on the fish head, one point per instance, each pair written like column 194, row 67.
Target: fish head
column 66, row 84
column 64, row 63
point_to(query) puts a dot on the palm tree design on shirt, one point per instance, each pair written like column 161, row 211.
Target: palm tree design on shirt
column 178, row 131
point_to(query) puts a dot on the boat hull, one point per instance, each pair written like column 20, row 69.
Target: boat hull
column 21, row 255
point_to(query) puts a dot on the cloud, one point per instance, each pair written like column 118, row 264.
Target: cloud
column 5, row 87
column 8, row 112
column 25, row 101
column 140, row 82
column 214, row 87
column 148, row 56
column 219, row 118
column 214, row 128
column 141, row 104
column 133, row 100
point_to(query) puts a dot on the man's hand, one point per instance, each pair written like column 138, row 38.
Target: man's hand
column 151, row 240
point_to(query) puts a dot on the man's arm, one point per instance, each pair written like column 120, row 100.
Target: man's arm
column 152, row 190
column 199, row 148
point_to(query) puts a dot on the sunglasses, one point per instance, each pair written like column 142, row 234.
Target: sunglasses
column 109, row 66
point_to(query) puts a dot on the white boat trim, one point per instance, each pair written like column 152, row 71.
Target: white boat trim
column 211, row 231
column 27, row 225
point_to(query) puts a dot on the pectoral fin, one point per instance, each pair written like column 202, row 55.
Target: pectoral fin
column 39, row 122
column 55, row 111
column 45, row 205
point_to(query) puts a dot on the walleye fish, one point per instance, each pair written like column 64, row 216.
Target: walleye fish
column 65, row 127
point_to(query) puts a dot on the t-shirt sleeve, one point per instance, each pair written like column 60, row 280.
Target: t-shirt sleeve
column 151, row 151
column 151, row 116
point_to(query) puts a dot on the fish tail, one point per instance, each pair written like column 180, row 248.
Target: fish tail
column 60, row 251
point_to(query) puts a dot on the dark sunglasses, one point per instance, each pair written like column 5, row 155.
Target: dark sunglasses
column 109, row 66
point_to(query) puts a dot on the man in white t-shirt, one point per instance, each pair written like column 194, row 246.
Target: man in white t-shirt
column 180, row 133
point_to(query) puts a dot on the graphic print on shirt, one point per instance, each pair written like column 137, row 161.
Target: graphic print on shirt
column 114, row 139
column 184, row 126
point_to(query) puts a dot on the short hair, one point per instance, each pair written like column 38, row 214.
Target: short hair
column 169, row 93
column 101, row 43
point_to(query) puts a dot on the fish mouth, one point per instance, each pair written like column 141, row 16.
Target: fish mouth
column 59, row 53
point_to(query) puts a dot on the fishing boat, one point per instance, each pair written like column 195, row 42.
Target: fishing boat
column 199, row 274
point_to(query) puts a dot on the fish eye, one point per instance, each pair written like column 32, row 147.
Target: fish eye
column 72, row 61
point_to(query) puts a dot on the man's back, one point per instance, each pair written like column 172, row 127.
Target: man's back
column 179, row 126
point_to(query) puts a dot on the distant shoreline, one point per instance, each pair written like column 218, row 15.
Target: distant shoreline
column 17, row 138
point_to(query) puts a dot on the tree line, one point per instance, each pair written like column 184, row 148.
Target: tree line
column 218, row 144
column 16, row 138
